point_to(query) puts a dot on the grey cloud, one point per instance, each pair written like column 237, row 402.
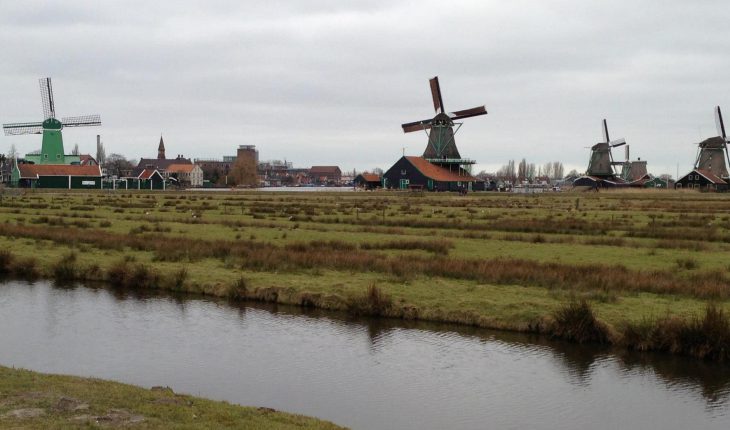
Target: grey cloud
column 330, row 81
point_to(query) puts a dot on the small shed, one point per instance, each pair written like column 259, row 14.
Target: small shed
column 368, row 181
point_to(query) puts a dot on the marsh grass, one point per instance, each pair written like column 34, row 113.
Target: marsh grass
column 66, row 268
column 706, row 336
column 576, row 322
column 373, row 302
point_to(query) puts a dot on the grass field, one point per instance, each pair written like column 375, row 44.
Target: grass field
column 30, row 400
column 641, row 260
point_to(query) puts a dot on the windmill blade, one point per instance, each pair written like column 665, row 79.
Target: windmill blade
column 438, row 102
column 467, row 113
column 49, row 108
column 618, row 142
column 18, row 128
column 81, row 121
column 720, row 123
column 416, row 126
column 605, row 131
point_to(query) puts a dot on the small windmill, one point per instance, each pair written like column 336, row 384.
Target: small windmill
column 713, row 152
column 601, row 162
column 52, row 146
column 441, row 147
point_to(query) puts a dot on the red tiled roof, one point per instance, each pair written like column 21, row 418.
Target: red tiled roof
column 180, row 168
column 711, row 176
column 147, row 173
column 33, row 171
column 438, row 173
column 85, row 158
column 370, row 177
column 324, row 169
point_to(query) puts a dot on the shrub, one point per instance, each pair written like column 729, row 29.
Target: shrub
column 687, row 263
column 576, row 322
column 65, row 269
column 238, row 290
column 373, row 302
column 6, row 261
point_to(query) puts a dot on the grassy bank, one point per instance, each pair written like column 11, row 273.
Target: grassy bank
column 491, row 260
column 30, row 400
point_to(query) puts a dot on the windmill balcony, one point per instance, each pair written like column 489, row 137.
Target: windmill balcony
column 451, row 160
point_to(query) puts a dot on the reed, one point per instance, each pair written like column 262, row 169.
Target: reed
column 576, row 322
column 373, row 302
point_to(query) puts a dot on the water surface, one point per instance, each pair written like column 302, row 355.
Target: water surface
column 366, row 374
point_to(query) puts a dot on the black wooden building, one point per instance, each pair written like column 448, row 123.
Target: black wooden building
column 417, row 172
column 703, row 180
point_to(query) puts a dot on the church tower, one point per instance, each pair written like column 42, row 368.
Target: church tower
column 161, row 150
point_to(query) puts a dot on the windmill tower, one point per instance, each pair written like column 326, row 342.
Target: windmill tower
column 52, row 145
column 712, row 153
column 601, row 162
column 441, row 149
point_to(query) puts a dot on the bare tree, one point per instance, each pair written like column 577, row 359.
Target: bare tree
column 117, row 165
column 75, row 151
column 243, row 172
column 557, row 170
column 13, row 152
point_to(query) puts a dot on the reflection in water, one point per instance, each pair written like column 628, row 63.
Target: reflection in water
column 711, row 380
column 360, row 372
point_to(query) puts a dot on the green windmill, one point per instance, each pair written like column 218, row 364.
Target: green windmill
column 52, row 147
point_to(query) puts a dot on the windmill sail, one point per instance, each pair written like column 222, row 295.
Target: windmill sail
column 720, row 123
column 19, row 128
column 49, row 108
column 438, row 102
column 81, row 121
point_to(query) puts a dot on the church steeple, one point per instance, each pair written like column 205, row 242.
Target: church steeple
column 161, row 150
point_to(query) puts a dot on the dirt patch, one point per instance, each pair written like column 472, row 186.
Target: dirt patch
column 118, row 417
column 173, row 401
column 25, row 413
column 69, row 404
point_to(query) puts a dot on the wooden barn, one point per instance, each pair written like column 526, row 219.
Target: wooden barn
column 369, row 181
column 703, row 180
column 417, row 172
column 56, row 176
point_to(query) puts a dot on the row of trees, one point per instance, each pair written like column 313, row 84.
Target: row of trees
column 524, row 171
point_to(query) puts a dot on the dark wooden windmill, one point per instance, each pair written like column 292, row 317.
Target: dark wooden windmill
column 712, row 153
column 601, row 162
column 441, row 149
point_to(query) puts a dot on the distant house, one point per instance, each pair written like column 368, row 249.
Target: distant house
column 701, row 179
column 417, row 172
column 87, row 160
column 56, row 176
column 161, row 164
column 186, row 174
column 368, row 181
column 325, row 174
column 147, row 179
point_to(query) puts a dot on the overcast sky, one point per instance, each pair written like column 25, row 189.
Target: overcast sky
column 330, row 81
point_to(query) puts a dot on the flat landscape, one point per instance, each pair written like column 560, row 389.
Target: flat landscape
column 645, row 269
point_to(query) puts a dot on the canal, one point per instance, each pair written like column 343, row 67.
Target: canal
column 361, row 373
